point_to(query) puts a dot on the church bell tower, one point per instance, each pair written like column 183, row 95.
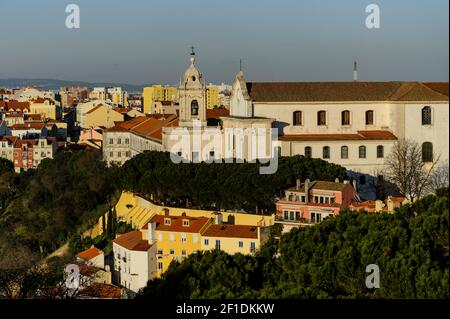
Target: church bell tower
column 192, row 94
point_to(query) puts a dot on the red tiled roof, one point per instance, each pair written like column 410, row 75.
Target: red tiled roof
column 9, row 139
column 217, row 113
column 94, row 109
column 29, row 125
column 132, row 241
column 19, row 143
column 14, row 105
column 233, row 231
column 89, row 253
column 100, row 290
column 176, row 223
column 360, row 135
column 342, row 91
column 149, row 126
column 441, row 87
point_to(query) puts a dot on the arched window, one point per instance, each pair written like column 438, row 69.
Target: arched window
column 345, row 118
column 326, row 152
column 380, row 151
column 344, row 152
column 194, row 107
column 362, row 151
column 321, row 118
column 308, row 151
column 369, row 117
column 427, row 152
column 297, row 118
column 426, row 115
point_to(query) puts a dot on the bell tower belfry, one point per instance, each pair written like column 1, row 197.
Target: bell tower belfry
column 192, row 94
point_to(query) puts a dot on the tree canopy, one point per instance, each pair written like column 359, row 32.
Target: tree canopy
column 328, row 260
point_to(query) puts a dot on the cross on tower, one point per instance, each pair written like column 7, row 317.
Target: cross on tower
column 192, row 50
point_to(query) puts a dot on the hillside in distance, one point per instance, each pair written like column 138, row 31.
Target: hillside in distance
column 52, row 84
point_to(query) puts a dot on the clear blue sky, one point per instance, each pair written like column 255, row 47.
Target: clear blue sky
column 146, row 41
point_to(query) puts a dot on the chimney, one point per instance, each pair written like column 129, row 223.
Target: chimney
column 151, row 232
column 355, row 71
column 307, row 189
column 297, row 187
column 218, row 218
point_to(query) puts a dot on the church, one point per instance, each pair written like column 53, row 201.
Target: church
column 354, row 124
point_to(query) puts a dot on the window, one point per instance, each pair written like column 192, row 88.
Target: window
column 194, row 107
column 206, row 242
column 362, row 151
column 344, row 152
column 167, row 221
column 111, row 141
column 119, row 154
column 186, row 222
column 426, row 115
column 286, row 215
column 183, row 252
column 369, row 117
column 326, row 152
column 252, row 247
column 128, row 154
column 172, row 251
column 345, row 118
column 183, row 238
column 111, row 154
column 297, row 118
column 321, row 118
column 362, row 179
column 160, row 252
column 119, row 141
column 427, row 152
column 308, row 151
column 241, row 244
column 380, row 151
column 127, row 141
column 160, row 265
column 217, row 244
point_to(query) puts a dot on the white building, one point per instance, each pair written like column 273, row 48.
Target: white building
column 134, row 260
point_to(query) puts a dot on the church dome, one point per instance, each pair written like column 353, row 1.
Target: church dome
column 192, row 77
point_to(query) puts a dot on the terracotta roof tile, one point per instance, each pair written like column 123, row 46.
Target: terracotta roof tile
column 89, row 253
column 132, row 241
column 232, row 231
column 341, row 91
column 176, row 223
column 103, row 291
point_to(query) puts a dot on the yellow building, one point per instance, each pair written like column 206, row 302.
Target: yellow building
column 157, row 93
column 102, row 115
column 45, row 107
column 212, row 96
column 175, row 237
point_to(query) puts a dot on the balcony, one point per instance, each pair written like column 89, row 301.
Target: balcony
column 299, row 221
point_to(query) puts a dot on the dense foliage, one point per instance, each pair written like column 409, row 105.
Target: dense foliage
column 220, row 185
column 65, row 193
column 328, row 260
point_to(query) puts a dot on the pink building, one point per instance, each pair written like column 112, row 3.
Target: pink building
column 311, row 202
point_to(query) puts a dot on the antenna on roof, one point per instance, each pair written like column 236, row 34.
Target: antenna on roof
column 355, row 71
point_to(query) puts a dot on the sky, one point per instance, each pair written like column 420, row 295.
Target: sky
column 147, row 41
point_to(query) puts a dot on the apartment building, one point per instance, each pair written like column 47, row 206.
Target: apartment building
column 309, row 203
column 134, row 260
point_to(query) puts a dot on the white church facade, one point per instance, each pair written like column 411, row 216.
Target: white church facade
column 353, row 124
